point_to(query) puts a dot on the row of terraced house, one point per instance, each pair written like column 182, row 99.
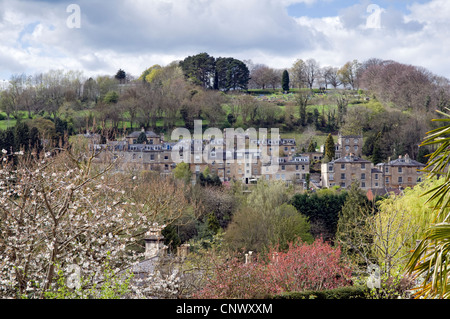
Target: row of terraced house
column 245, row 162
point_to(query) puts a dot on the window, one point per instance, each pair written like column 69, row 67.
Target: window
column 400, row 180
column 342, row 176
column 387, row 180
column 376, row 176
column 376, row 184
column 355, row 148
column 343, row 185
column 400, row 170
column 363, row 166
column 330, row 168
column 363, row 184
column 166, row 157
column 363, row 176
column 283, row 168
column 386, row 169
column 342, row 166
column 296, row 167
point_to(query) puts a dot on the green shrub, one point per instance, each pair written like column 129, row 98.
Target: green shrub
column 354, row 292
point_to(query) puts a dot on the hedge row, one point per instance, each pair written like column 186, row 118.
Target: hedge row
column 354, row 292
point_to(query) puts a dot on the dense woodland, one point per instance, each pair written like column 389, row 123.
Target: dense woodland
column 76, row 212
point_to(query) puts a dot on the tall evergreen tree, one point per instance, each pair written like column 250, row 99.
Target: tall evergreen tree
column 8, row 140
column 21, row 137
column 330, row 149
column 285, row 81
column 302, row 100
column 377, row 155
column 200, row 69
column 231, row 74
column 422, row 156
column 121, row 76
column 142, row 138
column 35, row 141
column 312, row 146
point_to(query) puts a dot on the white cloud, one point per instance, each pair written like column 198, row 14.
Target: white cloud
column 136, row 34
column 419, row 38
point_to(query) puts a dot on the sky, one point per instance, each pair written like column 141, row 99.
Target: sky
column 101, row 37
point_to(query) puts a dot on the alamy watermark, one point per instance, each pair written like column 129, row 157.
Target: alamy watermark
column 374, row 280
column 231, row 146
column 74, row 19
column 374, row 19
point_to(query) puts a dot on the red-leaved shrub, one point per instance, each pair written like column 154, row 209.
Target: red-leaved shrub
column 302, row 267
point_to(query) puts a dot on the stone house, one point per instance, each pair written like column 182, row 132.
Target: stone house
column 401, row 173
column 398, row 174
column 152, row 137
column 349, row 144
column 290, row 169
column 343, row 171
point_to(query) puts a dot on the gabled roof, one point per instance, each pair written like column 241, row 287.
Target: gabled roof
column 351, row 159
column 405, row 162
column 136, row 134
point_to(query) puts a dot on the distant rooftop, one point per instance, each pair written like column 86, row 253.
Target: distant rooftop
column 136, row 134
column 351, row 159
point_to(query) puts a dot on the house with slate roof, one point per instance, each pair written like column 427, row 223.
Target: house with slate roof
column 345, row 170
column 402, row 172
column 397, row 174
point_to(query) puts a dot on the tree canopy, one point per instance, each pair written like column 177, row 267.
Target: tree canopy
column 220, row 74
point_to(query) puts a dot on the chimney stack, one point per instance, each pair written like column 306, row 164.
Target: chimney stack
column 154, row 241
